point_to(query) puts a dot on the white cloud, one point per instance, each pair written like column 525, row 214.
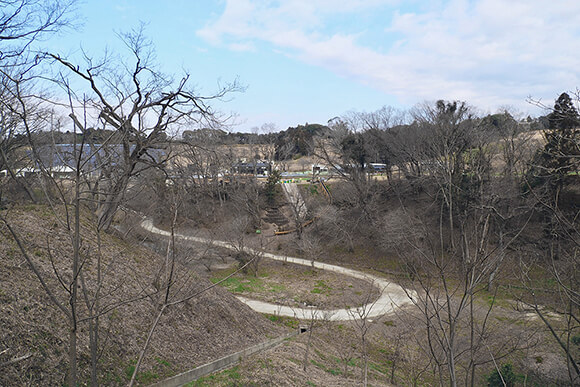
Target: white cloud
column 242, row 46
column 489, row 52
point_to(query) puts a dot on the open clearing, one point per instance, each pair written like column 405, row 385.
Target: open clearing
column 391, row 297
column 298, row 286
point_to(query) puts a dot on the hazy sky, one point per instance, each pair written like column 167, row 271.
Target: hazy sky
column 311, row 60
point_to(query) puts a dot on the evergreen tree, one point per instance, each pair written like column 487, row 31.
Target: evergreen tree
column 506, row 379
column 564, row 116
column 561, row 153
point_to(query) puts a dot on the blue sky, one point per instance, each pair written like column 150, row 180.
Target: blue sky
column 311, row 60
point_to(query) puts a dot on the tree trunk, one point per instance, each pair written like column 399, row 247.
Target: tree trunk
column 74, row 286
column 107, row 209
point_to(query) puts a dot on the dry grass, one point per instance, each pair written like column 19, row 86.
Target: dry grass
column 190, row 334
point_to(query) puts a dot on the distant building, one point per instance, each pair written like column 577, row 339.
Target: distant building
column 253, row 168
column 377, row 167
column 319, row 169
column 60, row 160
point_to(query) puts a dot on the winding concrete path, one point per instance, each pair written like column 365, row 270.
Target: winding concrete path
column 392, row 295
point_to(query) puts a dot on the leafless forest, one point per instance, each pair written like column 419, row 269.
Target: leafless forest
column 475, row 215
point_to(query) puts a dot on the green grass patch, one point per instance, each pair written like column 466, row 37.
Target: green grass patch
column 332, row 371
column 227, row 377
column 264, row 363
column 383, row 368
column 321, row 288
column 163, row 363
column 246, row 283
column 240, row 284
column 146, row 377
column 318, row 364
column 350, row 362
column 320, row 354
column 276, row 288
column 310, row 272
column 285, row 321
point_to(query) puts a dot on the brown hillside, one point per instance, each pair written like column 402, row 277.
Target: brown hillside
column 189, row 334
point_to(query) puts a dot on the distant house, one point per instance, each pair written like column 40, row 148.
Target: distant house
column 61, row 172
column 60, row 160
column 253, row 167
column 19, row 172
column 319, row 169
column 377, row 167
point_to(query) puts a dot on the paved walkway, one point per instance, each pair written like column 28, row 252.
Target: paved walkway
column 392, row 295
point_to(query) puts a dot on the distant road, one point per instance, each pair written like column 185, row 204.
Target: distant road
column 392, row 295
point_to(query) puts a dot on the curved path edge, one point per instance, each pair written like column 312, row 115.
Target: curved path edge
column 392, row 296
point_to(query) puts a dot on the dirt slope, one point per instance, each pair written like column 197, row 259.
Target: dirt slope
column 190, row 334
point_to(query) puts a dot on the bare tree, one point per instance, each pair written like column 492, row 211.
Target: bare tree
column 449, row 125
column 141, row 105
column 23, row 22
column 237, row 235
column 297, row 206
column 267, row 148
column 20, row 116
column 66, row 207
column 552, row 182
column 460, row 246
column 346, row 151
column 204, row 166
column 347, row 343
column 360, row 317
column 314, row 317
column 249, row 202
column 176, row 286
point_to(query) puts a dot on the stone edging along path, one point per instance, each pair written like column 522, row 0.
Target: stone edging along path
column 392, row 295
